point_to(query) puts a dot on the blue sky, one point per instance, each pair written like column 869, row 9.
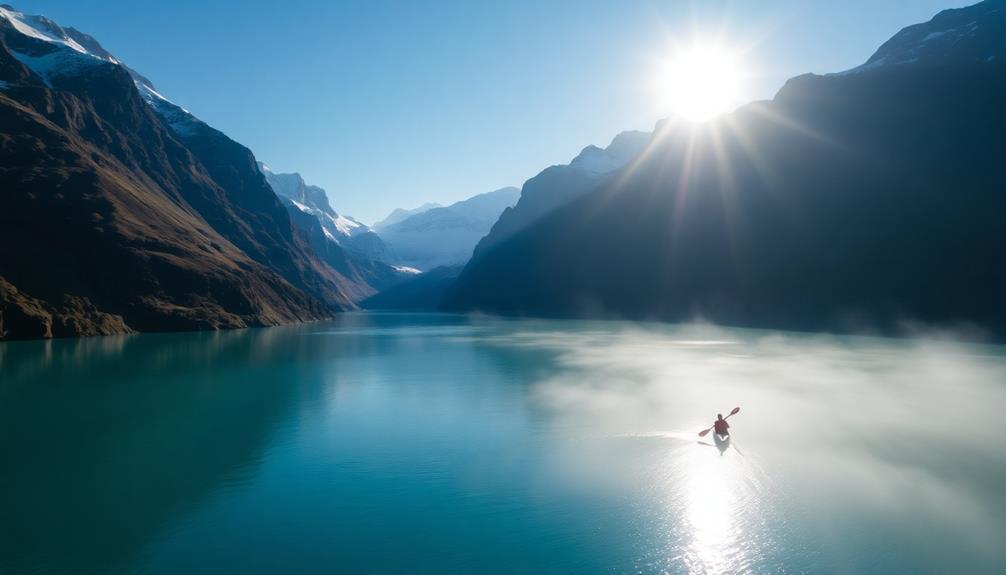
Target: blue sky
column 393, row 104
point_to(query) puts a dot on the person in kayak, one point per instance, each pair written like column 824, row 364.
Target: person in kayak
column 721, row 426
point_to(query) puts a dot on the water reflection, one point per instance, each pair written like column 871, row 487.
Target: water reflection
column 105, row 439
column 721, row 445
column 429, row 444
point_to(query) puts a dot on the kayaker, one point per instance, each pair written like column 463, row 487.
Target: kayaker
column 721, row 426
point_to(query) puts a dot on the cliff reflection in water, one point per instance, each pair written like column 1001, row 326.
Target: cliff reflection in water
column 437, row 443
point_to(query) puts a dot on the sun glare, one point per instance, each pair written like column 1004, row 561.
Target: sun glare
column 701, row 82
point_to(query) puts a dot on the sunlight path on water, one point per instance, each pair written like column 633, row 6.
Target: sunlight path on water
column 831, row 454
column 445, row 444
column 712, row 493
column 711, row 498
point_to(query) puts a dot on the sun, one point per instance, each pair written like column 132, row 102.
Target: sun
column 701, row 81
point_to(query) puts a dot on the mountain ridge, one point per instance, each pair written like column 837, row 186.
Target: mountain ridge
column 352, row 249
column 446, row 236
column 559, row 184
column 398, row 214
column 115, row 220
column 848, row 201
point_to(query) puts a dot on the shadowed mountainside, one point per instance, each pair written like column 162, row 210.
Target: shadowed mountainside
column 122, row 212
column 861, row 199
column 558, row 185
column 350, row 248
column 423, row 292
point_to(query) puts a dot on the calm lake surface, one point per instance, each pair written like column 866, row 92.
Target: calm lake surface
column 434, row 444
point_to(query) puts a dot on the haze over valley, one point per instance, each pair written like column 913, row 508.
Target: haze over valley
column 635, row 287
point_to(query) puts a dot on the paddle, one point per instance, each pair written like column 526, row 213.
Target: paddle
column 705, row 432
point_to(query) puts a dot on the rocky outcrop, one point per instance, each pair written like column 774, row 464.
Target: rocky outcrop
column 25, row 317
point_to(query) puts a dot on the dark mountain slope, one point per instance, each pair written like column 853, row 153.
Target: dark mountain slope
column 558, row 185
column 352, row 236
column 423, row 292
column 350, row 248
column 365, row 276
column 873, row 196
column 110, row 222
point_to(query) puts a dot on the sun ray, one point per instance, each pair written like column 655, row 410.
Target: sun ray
column 765, row 111
column 727, row 186
column 768, row 175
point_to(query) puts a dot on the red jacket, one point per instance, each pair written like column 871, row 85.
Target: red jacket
column 721, row 426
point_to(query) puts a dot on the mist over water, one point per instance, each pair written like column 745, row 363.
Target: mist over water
column 864, row 452
column 431, row 443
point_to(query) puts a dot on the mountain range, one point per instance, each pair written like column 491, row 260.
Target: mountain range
column 349, row 247
column 122, row 212
column 444, row 236
column 399, row 214
column 868, row 198
column 560, row 184
column 864, row 199
column 552, row 188
column 345, row 231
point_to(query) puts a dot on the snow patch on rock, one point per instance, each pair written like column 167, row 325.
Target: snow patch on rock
column 407, row 270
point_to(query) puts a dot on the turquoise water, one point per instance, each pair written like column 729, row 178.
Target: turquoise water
column 436, row 444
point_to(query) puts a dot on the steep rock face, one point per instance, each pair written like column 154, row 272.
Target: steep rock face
column 104, row 202
column 22, row 314
column 353, row 250
column 446, row 236
column 28, row 317
column 351, row 235
column 872, row 197
column 556, row 186
column 366, row 276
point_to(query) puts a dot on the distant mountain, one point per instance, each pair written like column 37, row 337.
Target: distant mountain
column 122, row 212
column 868, row 198
column 352, row 249
column 399, row 214
column 446, row 236
column 558, row 185
column 343, row 230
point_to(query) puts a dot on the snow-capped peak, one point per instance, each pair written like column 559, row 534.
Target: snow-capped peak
column 971, row 35
column 347, row 225
column 61, row 53
column 345, row 231
column 291, row 188
column 73, row 52
column 42, row 28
